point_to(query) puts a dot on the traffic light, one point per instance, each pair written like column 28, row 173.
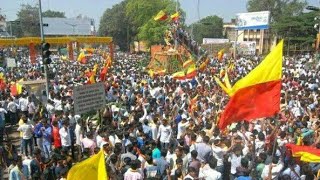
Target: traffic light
column 46, row 53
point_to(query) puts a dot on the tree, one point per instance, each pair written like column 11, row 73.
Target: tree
column 277, row 8
column 132, row 20
column 297, row 29
column 50, row 13
column 114, row 23
column 140, row 14
column 208, row 27
column 28, row 16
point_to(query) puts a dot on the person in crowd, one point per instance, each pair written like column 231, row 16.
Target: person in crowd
column 27, row 135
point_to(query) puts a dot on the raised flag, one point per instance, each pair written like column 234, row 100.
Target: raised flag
column 161, row 16
column 92, row 168
column 175, row 16
column 258, row 93
column 188, row 63
column 191, row 72
column 220, row 54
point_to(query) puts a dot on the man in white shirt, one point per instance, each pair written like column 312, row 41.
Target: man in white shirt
column 65, row 135
column 208, row 171
column 12, row 110
column 182, row 127
column 276, row 168
column 23, row 105
column 165, row 133
column 27, row 134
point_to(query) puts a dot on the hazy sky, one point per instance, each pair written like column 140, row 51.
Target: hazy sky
column 95, row 8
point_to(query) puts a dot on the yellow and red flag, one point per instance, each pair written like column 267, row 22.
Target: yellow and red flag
column 191, row 72
column 220, row 54
column 258, row 93
column 188, row 63
column 180, row 75
column 82, row 58
column 161, row 16
column 103, row 73
column 306, row 153
column 175, row 16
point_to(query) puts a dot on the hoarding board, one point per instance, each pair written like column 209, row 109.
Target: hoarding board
column 11, row 62
column 253, row 20
column 88, row 98
column 246, row 47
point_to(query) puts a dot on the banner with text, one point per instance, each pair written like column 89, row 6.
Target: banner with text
column 253, row 20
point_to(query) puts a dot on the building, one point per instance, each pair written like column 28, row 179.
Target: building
column 68, row 26
column 262, row 38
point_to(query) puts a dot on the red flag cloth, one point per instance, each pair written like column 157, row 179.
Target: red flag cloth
column 13, row 90
column 261, row 100
column 103, row 73
column 257, row 94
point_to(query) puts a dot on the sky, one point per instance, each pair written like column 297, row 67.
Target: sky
column 227, row 9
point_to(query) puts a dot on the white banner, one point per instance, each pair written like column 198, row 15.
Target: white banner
column 214, row 41
column 253, row 20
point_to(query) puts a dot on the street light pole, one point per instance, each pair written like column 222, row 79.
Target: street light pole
column 42, row 39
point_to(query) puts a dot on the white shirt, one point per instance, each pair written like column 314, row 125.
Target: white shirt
column 26, row 130
column 65, row 136
column 275, row 172
column 218, row 154
column 293, row 175
column 23, row 104
column 154, row 131
column 132, row 175
column 77, row 132
column 235, row 162
column 12, row 107
column 208, row 173
column 165, row 133
column 182, row 128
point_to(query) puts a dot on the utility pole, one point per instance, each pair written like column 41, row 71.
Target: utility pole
column 43, row 40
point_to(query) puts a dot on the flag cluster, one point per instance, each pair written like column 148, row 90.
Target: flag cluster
column 162, row 16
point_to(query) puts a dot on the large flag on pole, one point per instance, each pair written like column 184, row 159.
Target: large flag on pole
column 258, row 93
column 93, row 168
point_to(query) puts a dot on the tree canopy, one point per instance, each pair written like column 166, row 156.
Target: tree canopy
column 208, row 27
column 132, row 20
column 50, row 13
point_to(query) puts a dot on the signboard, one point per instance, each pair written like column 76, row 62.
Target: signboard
column 11, row 62
column 253, row 20
column 246, row 47
column 214, row 41
column 88, row 98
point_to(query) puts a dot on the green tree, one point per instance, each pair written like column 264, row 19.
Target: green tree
column 277, row 8
column 208, row 27
column 297, row 30
column 28, row 16
column 141, row 13
column 114, row 23
column 50, row 13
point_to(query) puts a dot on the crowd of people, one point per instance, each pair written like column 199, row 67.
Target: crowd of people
column 150, row 128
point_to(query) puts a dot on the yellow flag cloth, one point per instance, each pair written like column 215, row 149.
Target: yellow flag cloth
column 89, row 169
